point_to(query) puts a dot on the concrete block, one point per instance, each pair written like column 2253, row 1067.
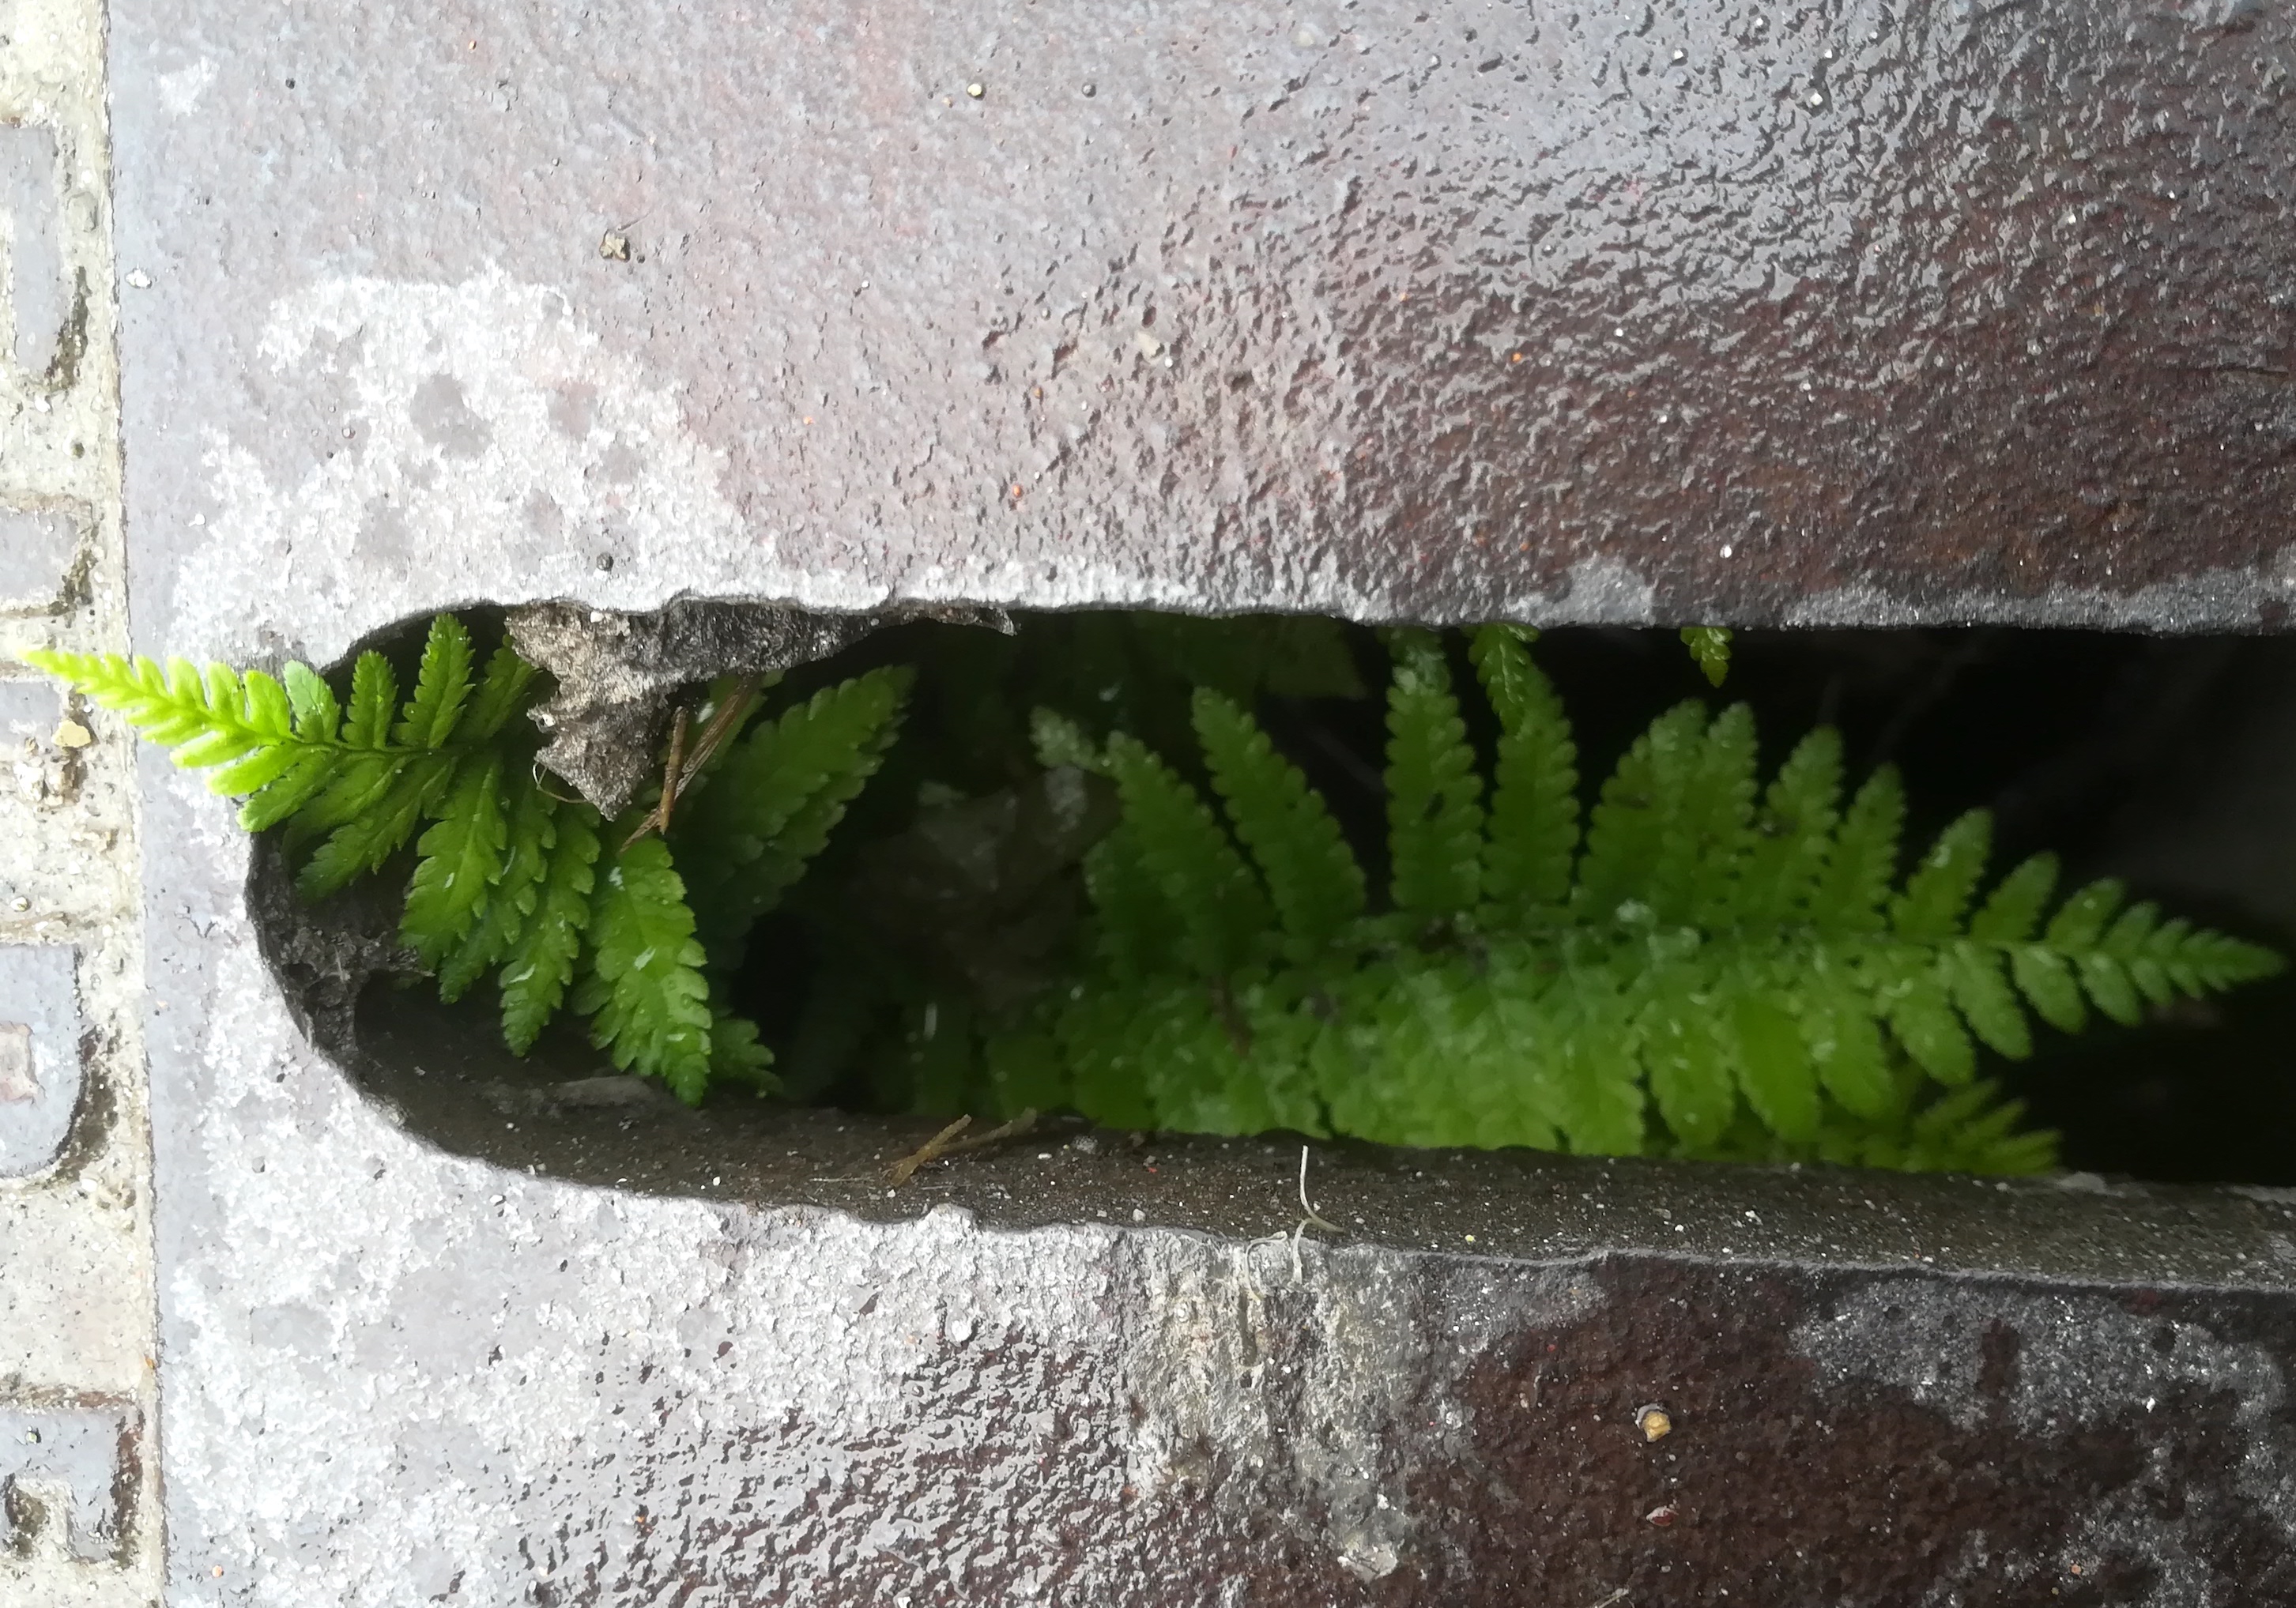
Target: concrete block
column 40, row 1070
column 1837, row 317
column 1732, row 318
column 38, row 301
column 39, row 552
column 69, row 1468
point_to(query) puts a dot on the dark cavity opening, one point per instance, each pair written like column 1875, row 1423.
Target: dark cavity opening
column 2167, row 762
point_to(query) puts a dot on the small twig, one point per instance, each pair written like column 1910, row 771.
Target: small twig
column 658, row 818
column 1616, row 1598
column 997, row 1135
column 723, row 724
column 946, row 1143
column 678, row 776
column 906, row 1167
column 669, row 772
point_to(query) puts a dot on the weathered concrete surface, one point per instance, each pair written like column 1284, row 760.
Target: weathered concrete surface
column 1201, row 305
column 41, row 1075
column 1707, row 311
column 78, row 1489
column 427, row 1369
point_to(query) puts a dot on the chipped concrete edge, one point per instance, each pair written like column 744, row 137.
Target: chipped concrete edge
column 77, row 1303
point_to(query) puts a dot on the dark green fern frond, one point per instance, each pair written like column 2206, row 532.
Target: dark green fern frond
column 1218, row 905
column 539, row 962
column 1628, row 830
column 1312, row 877
column 1534, row 808
column 1434, row 790
column 1938, row 893
column 376, row 819
column 1863, row 860
column 1792, row 834
column 766, row 810
column 529, row 834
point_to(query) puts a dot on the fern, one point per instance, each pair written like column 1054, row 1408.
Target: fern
column 645, row 992
column 1721, row 968
column 1710, row 650
column 507, row 878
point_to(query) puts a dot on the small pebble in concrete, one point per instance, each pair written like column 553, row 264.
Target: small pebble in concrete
column 975, row 91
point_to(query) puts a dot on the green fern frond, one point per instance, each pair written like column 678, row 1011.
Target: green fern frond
column 1628, row 830
column 1312, row 877
column 645, row 992
column 1862, row 861
column 1937, row 895
column 1720, row 978
column 462, row 859
column 1792, row 834
column 505, row 876
column 377, row 820
column 1710, row 650
column 529, row 834
column 539, row 962
column 441, row 686
column 502, row 692
column 374, row 700
column 1534, row 808
column 768, row 809
column 1434, row 790
column 1218, row 906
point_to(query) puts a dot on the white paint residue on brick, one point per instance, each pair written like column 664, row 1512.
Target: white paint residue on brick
column 492, row 446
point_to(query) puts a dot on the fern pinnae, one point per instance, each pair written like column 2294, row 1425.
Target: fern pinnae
column 1845, row 1042
column 317, row 716
column 1862, row 861
column 1533, row 822
column 1311, row 875
column 501, row 693
column 374, row 700
column 1696, row 881
column 2013, row 909
column 768, row 807
column 645, row 993
column 1974, row 980
column 390, row 807
column 1937, row 895
column 1627, row 831
column 528, row 835
column 1219, row 902
column 539, row 963
column 1138, row 930
column 462, row 859
column 1434, row 803
column 442, row 686
column 1792, row 832
column 1776, row 1072
column 1691, row 1077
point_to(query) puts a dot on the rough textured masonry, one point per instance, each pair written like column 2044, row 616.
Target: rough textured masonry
column 78, row 1510
column 1700, row 312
